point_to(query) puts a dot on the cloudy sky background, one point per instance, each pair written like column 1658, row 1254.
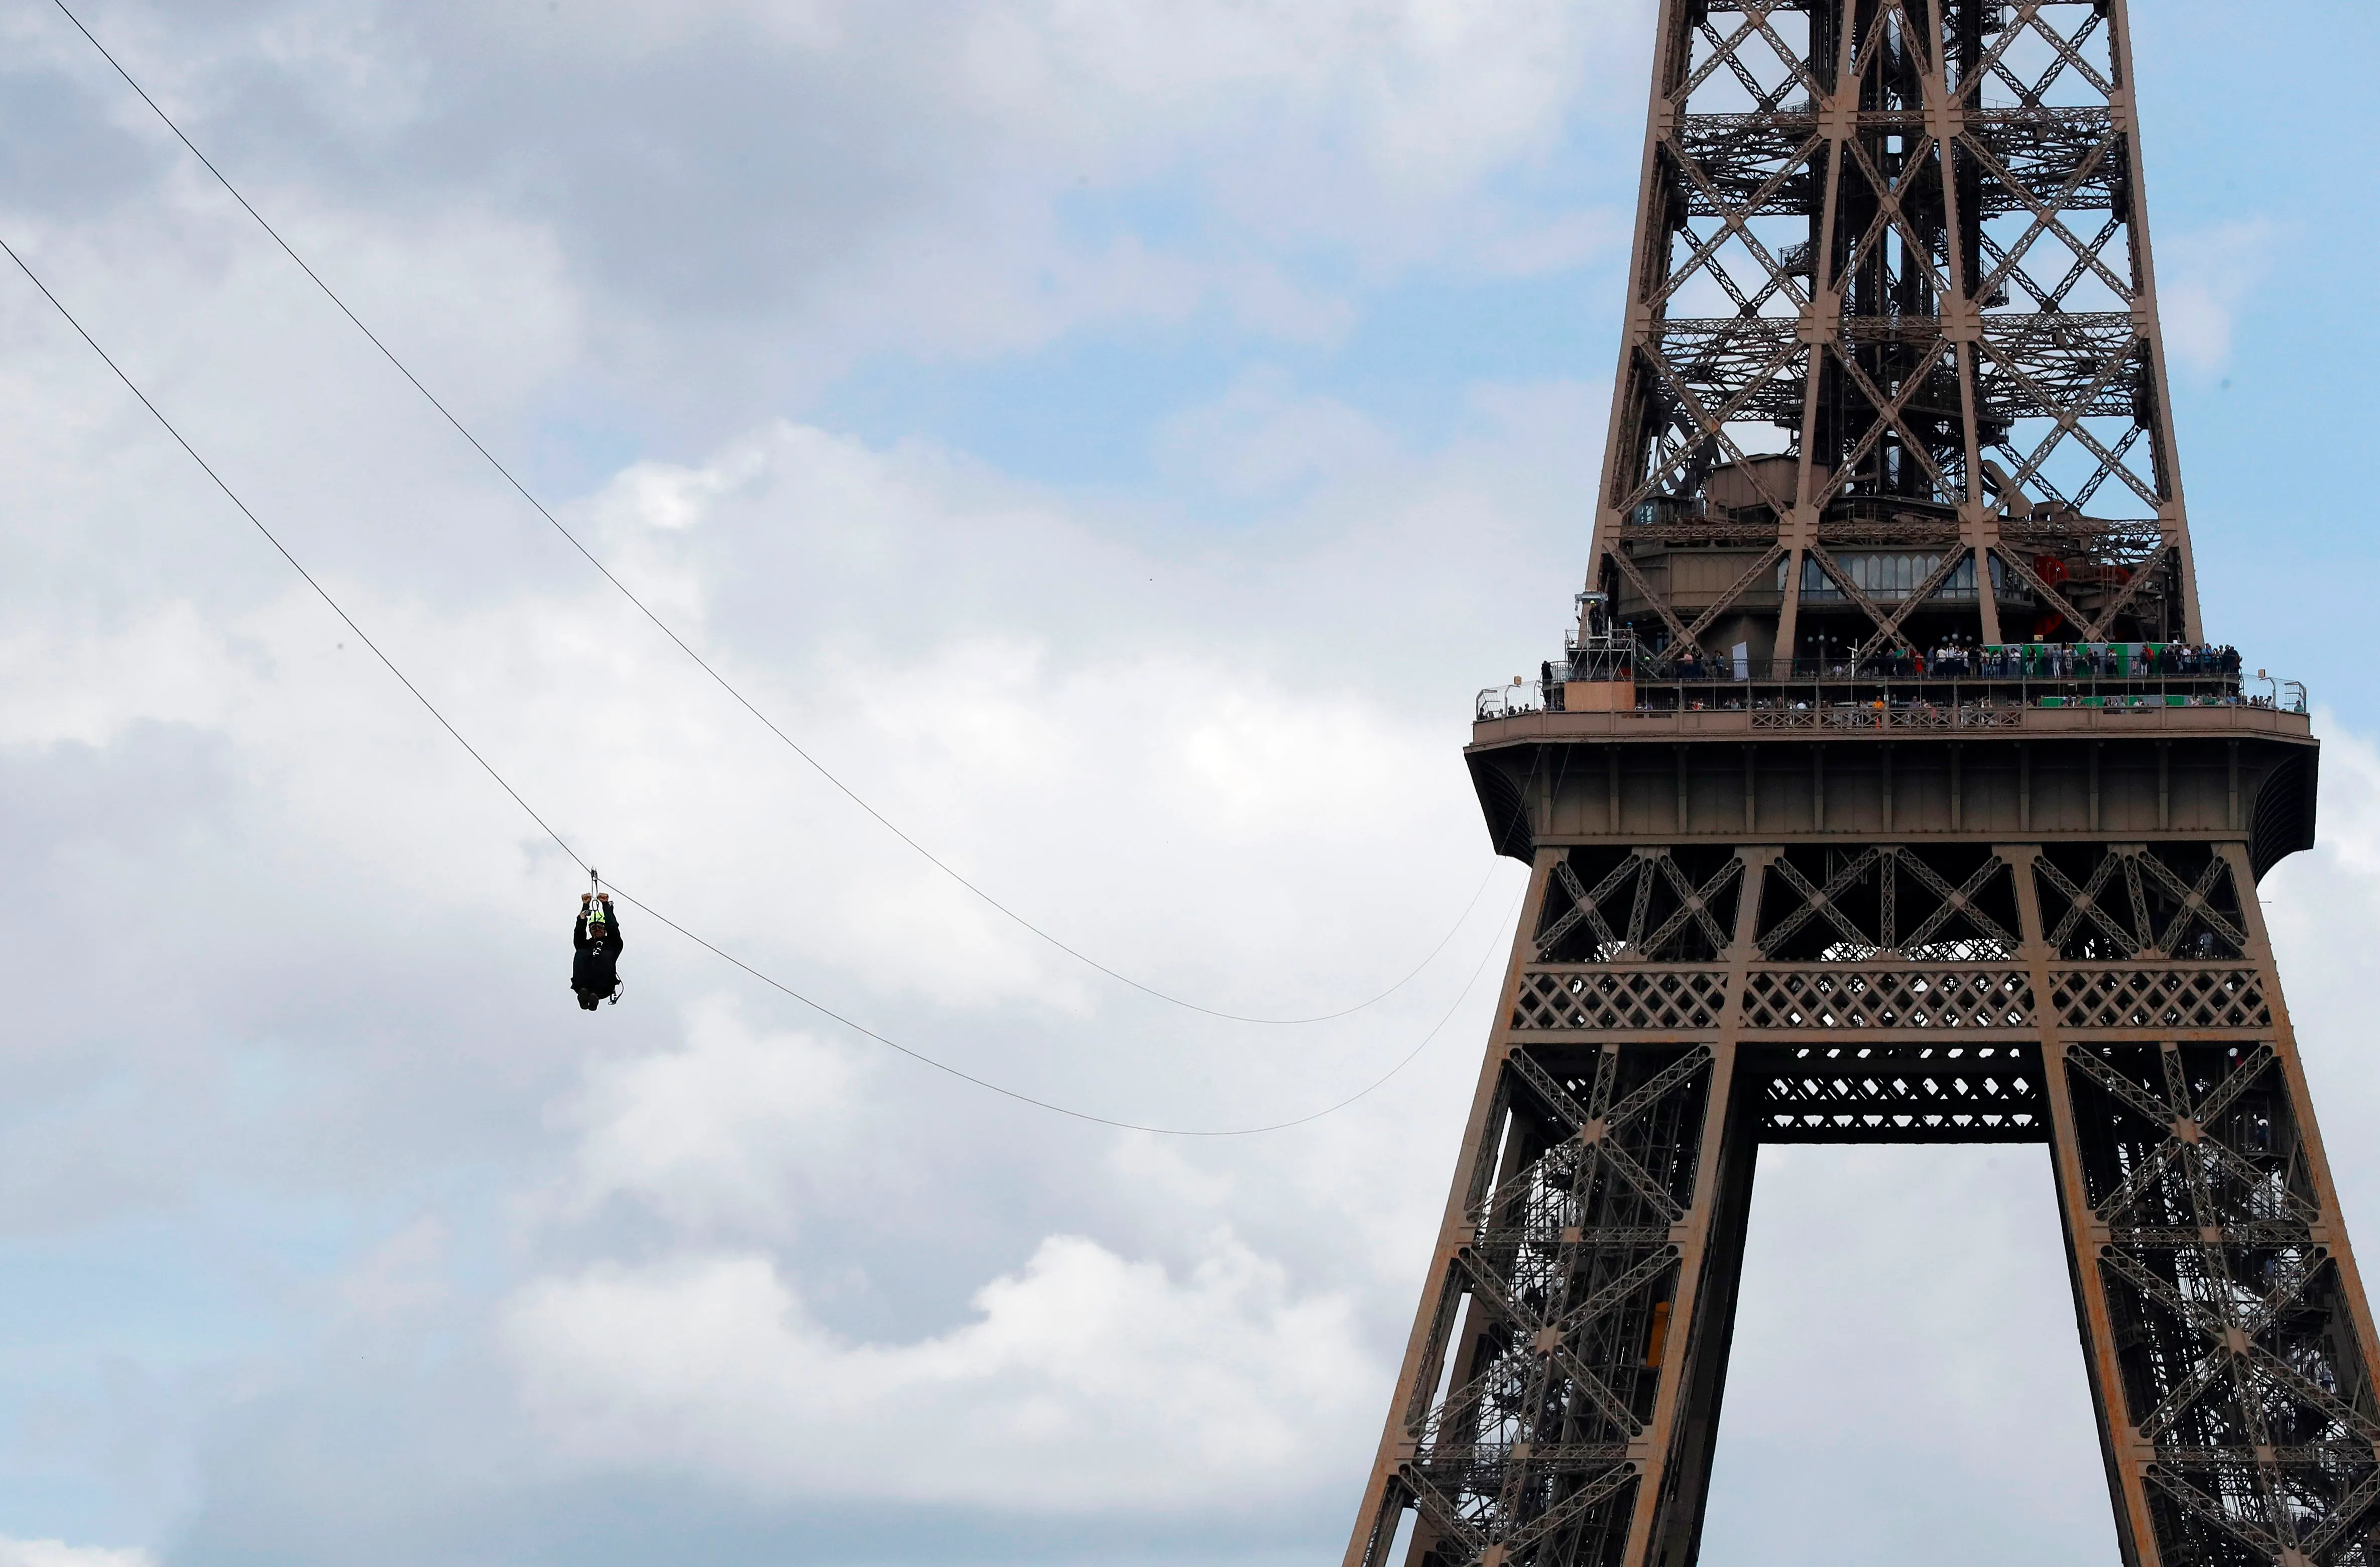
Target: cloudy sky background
column 1118, row 439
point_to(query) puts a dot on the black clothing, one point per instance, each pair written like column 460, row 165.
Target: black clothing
column 595, row 970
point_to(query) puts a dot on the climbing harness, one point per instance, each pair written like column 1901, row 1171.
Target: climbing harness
column 597, row 916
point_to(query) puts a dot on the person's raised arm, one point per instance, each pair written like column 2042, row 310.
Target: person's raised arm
column 612, row 922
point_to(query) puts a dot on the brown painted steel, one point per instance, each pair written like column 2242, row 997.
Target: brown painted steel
column 1849, row 884
column 1899, row 244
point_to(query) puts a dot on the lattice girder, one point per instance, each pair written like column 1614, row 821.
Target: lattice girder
column 1562, row 1283
column 1954, row 904
column 2139, row 902
column 1881, row 244
column 1864, row 1093
column 1651, row 906
column 2243, row 1367
column 1557, row 1405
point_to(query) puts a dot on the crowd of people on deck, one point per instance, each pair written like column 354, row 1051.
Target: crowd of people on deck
column 2082, row 660
column 2016, row 661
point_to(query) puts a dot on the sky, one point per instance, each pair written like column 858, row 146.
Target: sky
column 1116, row 440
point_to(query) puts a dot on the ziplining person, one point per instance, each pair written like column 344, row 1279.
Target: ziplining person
column 595, row 968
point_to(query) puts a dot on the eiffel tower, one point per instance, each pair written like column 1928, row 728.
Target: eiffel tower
column 1888, row 791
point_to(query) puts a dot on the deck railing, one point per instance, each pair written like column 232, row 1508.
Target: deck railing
column 1833, row 697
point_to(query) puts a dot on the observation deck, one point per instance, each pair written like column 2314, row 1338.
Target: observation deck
column 2085, row 746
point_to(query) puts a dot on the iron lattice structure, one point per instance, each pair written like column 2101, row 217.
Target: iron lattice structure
column 1892, row 291
column 1891, row 283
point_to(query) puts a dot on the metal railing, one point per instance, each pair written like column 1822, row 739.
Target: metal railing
column 1954, row 710
column 1809, row 687
column 1975, row 680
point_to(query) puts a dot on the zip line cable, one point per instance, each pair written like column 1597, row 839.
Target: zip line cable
column 1381, row 1081
column 704, row 665
column 489, row 767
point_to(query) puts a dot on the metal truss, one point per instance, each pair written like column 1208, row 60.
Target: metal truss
column 1645, row 905
column 1549, row 1337
column 2114, row 1002
column 2237, row 1341
column 1900, row 245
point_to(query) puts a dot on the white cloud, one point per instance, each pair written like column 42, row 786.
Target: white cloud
column 1084, row 1382
column 406, row 1273
column 80, row 682
column 2201, row 281
column 716, row 1130
column 1528, row 246
column 1905, row 1369
column 57, row 1553
column 1263, row 436
column 360, row 70
column 1437, row 90
column 673, row 496
column 2322, row 906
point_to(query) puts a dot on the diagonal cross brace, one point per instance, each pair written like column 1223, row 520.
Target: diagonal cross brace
column 1543, row 1083
column 1659, row 1086
column 2127, row 1093
column 2349, row 1511
column 2254, row 1534
column 2195, row 900
column 1889, row 631
column 1575, row 1505
column 1489, row 1287
column 1956, row 900
column 1585, row 906
column 1693, row 903
column 2082, row 900
column 2032, row 578
column 1816, row 901
column 1741, row 586
column 1851, row 591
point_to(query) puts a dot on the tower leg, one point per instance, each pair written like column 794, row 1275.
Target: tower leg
column 1560, row 1395
column 2223, row 1320
column 1675, row 1538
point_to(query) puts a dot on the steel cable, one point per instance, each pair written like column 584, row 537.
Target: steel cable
column 547, row 828
column 704, row 665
